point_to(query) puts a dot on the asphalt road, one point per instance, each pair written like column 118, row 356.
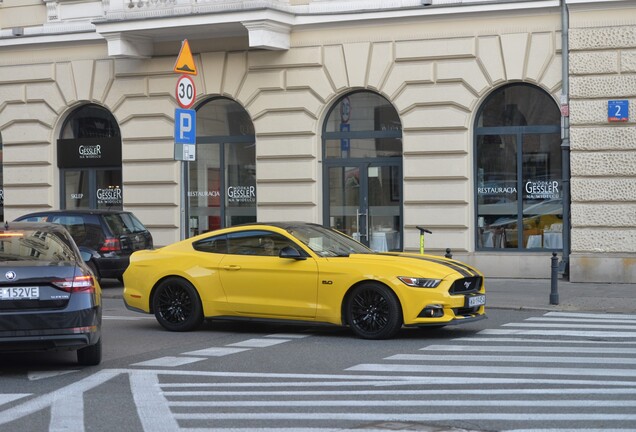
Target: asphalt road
column 519, row 369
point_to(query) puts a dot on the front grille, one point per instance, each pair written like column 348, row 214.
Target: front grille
column 466, row 285
column 465, row 311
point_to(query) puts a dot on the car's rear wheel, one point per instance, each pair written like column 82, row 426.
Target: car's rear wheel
column 373, row 312
column 177, row 305
column 90, row 355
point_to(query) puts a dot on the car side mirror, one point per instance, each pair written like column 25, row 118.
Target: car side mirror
column 290, row 252
column 86, row 256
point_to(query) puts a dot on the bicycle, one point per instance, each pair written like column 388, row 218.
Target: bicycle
column 422, row 231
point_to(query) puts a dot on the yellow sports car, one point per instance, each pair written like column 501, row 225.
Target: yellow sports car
column 298, row 272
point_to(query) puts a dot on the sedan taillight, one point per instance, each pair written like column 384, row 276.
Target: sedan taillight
column 76, row 284
column 110, row 245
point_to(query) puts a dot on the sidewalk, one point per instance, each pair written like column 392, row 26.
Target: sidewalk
column 584, row 297
column 529, row 294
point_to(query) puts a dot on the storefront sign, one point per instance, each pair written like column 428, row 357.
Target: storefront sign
column 618, row 111
column 542, row 189
column 109, row 196
column 88, row 152
column 237, row 194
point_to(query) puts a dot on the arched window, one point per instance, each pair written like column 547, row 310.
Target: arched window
column 89, row 158
column 222, row 180
column 362, row 162
column 518, row 170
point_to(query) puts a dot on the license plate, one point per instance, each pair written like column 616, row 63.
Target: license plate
column 478, row 300
column 20, row 293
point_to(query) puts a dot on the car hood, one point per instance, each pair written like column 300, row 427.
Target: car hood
column 416, row 265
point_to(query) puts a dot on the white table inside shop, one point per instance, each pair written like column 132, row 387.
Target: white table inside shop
column 552, row 240
column 383, row 241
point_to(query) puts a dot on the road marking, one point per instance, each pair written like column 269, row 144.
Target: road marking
column 579, row 326
column 542, row 341
column 258, row 343
column 402, row 417
column 627, row 373
column 152, row 408
column 557, row 333
column 514, row 359
column 288, row 335
column 408, row 403
column 521, row 348
column 10, row 397
column 169, row 361
column 59, row 400
column 602, row 316
column 34, row 376
column 215, row 352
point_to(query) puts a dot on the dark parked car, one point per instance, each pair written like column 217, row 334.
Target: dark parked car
column 49, row 300
column 109, row 236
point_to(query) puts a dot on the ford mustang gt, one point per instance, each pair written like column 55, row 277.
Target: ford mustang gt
column 297, row 272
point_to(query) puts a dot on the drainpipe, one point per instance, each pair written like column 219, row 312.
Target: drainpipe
column 565, row 138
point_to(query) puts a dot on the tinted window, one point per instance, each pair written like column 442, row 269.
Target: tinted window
column 85, row 230
column 212, row 245
column 123, row 223
column 19, row 245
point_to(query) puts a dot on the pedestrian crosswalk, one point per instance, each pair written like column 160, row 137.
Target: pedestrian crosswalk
column 561, row 371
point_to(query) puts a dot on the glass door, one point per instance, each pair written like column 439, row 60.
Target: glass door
column 364, row 203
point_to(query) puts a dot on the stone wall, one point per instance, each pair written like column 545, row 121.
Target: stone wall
column 603, row 153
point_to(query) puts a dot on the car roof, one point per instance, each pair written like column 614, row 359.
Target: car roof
column 282, row 225
column 77, row 211
column 32, row 226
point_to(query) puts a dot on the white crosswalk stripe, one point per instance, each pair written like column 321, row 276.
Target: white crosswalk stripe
column 579, row 376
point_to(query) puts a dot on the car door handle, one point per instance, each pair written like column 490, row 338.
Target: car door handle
column 232, row 267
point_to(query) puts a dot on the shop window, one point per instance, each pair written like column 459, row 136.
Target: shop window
column 89, row 158
column 221, row 186
column 518, row 173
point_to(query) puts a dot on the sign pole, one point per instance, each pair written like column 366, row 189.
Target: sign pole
column 185, row 127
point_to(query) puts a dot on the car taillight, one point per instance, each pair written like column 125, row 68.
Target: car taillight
column 111, row 245
column 77, row 284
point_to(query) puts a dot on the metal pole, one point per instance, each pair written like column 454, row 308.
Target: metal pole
column 554, row 290
column 565, row 136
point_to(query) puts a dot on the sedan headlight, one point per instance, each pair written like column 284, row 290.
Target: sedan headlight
column 420, row 282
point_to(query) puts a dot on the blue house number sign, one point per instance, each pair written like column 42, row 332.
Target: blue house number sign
column 618, row 111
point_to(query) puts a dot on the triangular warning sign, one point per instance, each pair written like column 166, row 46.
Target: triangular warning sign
column 185, row 62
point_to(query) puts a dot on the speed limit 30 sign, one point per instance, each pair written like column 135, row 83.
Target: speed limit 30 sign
column 186, row 92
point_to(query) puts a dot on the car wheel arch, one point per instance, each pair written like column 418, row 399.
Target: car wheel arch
column 345, row 298
column 153, row 291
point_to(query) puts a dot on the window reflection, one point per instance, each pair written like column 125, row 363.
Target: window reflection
column 518, row 171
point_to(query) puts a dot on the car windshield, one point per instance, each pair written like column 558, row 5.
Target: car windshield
column 326, row 242
column 124, row 223
column 32, row 245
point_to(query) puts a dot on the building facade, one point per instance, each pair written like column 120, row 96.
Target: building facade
column 370, row 117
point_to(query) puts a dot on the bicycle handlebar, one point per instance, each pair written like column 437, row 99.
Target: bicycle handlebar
column 423, row 230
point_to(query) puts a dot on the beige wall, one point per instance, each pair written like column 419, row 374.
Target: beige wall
column 436, row 75
column 603, row 68
column 22, row 13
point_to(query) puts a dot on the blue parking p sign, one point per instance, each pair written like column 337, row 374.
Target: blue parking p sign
column 185, row 126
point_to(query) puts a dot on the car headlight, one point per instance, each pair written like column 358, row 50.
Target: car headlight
column 420, row 282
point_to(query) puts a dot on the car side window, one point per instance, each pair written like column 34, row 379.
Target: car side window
column 41, row 218
column 217, row 244
column 74, row 225
column 261, row 243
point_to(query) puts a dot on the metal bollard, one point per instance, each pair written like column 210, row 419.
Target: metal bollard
column 554, row 290
column 448, row 254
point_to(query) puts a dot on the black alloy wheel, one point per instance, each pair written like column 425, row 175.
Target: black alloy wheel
column 177, row 305
column 374, row 312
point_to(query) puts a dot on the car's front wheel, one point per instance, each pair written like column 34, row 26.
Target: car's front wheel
column 177, row 306
column 373, row 312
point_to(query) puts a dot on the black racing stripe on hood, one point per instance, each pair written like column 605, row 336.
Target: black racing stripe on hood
column 460, row 268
